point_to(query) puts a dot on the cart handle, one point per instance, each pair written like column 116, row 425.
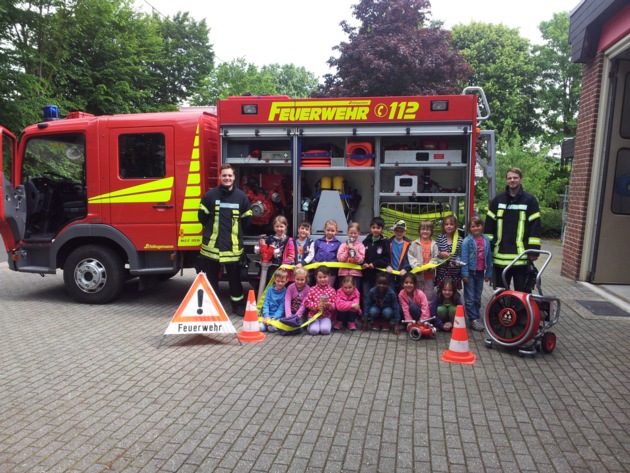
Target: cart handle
column 540, row 271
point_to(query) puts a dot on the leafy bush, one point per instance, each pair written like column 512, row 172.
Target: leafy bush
column 551, row 222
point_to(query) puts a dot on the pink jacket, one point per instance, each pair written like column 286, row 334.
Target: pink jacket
column 359, row 258
column 313, row 299
column 344, row 301
column 419, row 299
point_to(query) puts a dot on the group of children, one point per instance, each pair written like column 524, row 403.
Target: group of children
column 380, row 283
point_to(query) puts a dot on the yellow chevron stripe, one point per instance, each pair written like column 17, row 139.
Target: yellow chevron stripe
column 189, row 227
column 189, row 216
column 155, row 191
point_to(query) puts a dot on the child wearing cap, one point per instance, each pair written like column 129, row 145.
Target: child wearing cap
column 398, row 249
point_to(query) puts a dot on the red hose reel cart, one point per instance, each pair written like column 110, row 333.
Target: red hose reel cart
column 520, row 320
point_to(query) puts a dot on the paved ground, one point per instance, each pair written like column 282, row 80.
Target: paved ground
column 85, row 388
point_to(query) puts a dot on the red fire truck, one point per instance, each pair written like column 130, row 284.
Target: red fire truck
column 109, row 198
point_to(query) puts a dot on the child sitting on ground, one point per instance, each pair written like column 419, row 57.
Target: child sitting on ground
column 348, row 304
column 294, row 302
column 444, row 305
column 321, row 297
column 382, row 306
column 273, row 305
column 413, row 301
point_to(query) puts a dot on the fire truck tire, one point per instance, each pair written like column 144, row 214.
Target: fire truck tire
column 94, row 274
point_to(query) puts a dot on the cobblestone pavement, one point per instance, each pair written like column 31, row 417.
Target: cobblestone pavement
column 86, row 389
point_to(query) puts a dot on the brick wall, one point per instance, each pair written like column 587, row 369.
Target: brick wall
column 582, row 167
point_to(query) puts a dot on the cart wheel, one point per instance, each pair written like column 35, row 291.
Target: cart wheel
column 548, row 342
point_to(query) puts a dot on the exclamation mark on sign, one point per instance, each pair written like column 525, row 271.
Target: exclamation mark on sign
column 200, row 301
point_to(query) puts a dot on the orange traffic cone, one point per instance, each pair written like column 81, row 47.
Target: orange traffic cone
column 251, row 330
column 458, row 351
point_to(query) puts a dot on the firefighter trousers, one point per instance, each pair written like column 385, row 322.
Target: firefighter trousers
column 233, row 274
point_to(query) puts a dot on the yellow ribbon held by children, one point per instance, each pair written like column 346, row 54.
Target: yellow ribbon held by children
column 288, row 328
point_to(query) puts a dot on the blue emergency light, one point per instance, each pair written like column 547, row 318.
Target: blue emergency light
column 51, row 112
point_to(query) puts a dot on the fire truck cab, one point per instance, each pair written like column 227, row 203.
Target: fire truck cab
column 106, row 198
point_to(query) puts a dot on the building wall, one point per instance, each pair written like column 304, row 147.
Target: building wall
column 582, row 166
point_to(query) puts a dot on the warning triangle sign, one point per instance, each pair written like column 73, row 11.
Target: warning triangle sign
column 200, row 312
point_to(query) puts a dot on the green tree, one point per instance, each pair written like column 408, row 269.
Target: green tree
column 558, row 92
column 291, row 80
column 186, row 58
column 503, row 66
column 394, row 51
column 23, row 88
column 542, row 175
column 238, row 77
column 100, row 56
column 107, row 51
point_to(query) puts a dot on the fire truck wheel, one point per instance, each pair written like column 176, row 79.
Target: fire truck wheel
column 94, row 274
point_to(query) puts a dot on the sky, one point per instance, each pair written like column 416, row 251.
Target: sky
column 303, row 33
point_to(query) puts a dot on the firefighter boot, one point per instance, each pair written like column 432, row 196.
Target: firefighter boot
column 238, row 308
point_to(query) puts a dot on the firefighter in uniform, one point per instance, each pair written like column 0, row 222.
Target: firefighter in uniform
column 224, row 212
column 513, row 226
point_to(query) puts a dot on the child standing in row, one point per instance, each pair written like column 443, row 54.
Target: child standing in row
column 398, row 249
column 424, row 251
column 304, row 246
column 321, row 297
column 444, row 305
column 273, row 305
column 449, row 245
column 376, row 256
column 348, row 303
column 281, row 243
column 326, row 247
column 352, row 251
column 477, row 255
column 413, row 302
column 294, row 300
column 382, row 305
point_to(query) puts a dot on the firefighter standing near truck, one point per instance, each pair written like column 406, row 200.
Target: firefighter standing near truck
column 513, row 225
column 224, row 212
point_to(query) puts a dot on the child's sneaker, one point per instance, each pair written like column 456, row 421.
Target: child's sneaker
column 338, row 325
column 477, row 325
column 385, row 327
column 352, row 326
column 376, row 325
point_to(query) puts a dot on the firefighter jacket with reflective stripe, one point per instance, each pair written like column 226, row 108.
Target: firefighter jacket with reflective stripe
column 224, row 213
column 513, row 226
